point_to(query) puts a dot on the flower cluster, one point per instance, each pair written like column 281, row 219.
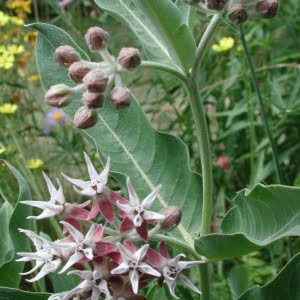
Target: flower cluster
column 93, row 79
column 239, row 11
column 113, row 259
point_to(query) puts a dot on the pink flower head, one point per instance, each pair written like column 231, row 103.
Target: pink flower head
column 137, row 213
column 223, row 162
column 132, row 262
column 84, row 248
column 171, row 269
column 97, row 183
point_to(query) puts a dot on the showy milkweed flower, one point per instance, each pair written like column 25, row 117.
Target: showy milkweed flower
column 8, row 108
column 52, row 118
column 35, row 163
column 224, row 45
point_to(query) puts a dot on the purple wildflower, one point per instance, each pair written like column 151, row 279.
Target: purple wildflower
column 53, row 117
column 64, row 3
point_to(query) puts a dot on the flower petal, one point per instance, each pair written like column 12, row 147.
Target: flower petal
column 189, row 264
column 77, row 235
column 163, row 250
column 134, row 279
column 103, row 248
column 88, row 191
column 94, row 211
column 46, row 269
column 80, row 183
column 154, row 258
column 151, row 215
column 75, row 258
column 88, row 240
column 91, row 169
column 185, row 281
column 38, row 264
column 103, row 176
column 143, row 231
column 133, row 198
column 148, row 201
column 146, row 269
column 122, row 268
column 126, row 225
column 171, row 285
column 106, row 209
column 50, row 185
column 98, row 233
column 141, row 253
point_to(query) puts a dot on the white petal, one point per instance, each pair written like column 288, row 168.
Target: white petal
column 76, row 234
column 140, row 254
column 75, row 258
column 89, row 236
column 122, row 268
column 125, row 253
column 88, row 191
column 104, row 288
column 184, row 280
column 171, row 286
column 46, row 269
column 37, row 265
column 50, row 186
column 39, row 204
column 151, row 215
column 174, row 261
column 145, row 268
column 87, row 275
column 133, row 198
column 60, row 197
column 134, row 279
column 138, row 220
column 148, row 201
column 88, row 252
column 47, row 213
column 95, row 294
column 128, row 209
column 80, row 183
column 189, row 264
column 92, row 171
column 103, row 176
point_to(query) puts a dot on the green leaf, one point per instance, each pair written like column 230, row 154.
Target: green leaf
column 161, row 28
column 17, row 241
column 64, row 282
column 284, row 286
column 14, row 294
column 148, row 157
column 260, row 217
column 238, row 280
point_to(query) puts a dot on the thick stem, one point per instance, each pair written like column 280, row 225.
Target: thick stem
column 262, row 108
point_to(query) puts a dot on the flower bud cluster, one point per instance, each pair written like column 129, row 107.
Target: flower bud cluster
column 239, row 11
column 93, row 79
column 112, row 257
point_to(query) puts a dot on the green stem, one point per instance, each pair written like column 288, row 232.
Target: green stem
column 261, row 106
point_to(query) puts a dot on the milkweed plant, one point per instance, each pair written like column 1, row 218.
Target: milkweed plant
column 141, row 241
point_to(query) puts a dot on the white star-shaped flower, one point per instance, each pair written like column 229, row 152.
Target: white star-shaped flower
column 97, row 182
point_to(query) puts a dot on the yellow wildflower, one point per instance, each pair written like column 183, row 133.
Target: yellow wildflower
column 8, row 108
column 17, row 21
column 30, row 37
column 34, row 77
column 4, row 19
column 20, row 5
column 225, row 44
column 15, row 49
column 35, row 163
column 6, row 60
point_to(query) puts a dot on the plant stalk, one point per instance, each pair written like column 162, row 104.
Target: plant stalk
column 262, row 108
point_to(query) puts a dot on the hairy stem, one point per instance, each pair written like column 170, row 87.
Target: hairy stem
column 262, row 108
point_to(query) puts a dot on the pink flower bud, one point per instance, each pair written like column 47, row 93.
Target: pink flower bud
column 215, row 4
column 120, row 97
column 223, row 162
column 96, row 81
column 237, row 13
column 97, row 38
column 129, row 58
column 78, row 70
column 172, row 217
column 66, row 55
column 267, row 9
column 59, row 95
column 85, row 118
column 93, row 100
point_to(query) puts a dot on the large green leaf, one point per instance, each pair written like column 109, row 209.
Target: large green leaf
column 260, row 217
column 136, row 149
column 161, row 28
column 14, row 294
column 17, row 242
column 284, row 286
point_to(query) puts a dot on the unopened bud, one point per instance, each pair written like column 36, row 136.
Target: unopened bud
column 59, row 95
column 191, row 2
column 172, row 217
column 120, row 97
column 96, row 81
column 93, row 100
column 97, row 38
column 237, row 14
column 78, row 70
column 267, row 8
column 66, row 55
column 215, row 4
column 85, row 118
column 129, row 58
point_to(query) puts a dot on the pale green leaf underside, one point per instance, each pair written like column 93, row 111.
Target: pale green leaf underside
column 284, row 286
column 260, row 217
column 161, row 28
column 149, row 157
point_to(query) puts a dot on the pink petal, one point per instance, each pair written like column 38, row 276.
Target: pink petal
column 154, row 258
column 122, row 214
column 126, row 225
column 115, row 197
column 103, row 248
column 106, row 208
column 98, row 233
column 116, row 257
column 143, row 231
column 94, row 211
column 79, row 213
column 84, row 204
column 73, row 222
column 163, row 250
column 130, row 246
